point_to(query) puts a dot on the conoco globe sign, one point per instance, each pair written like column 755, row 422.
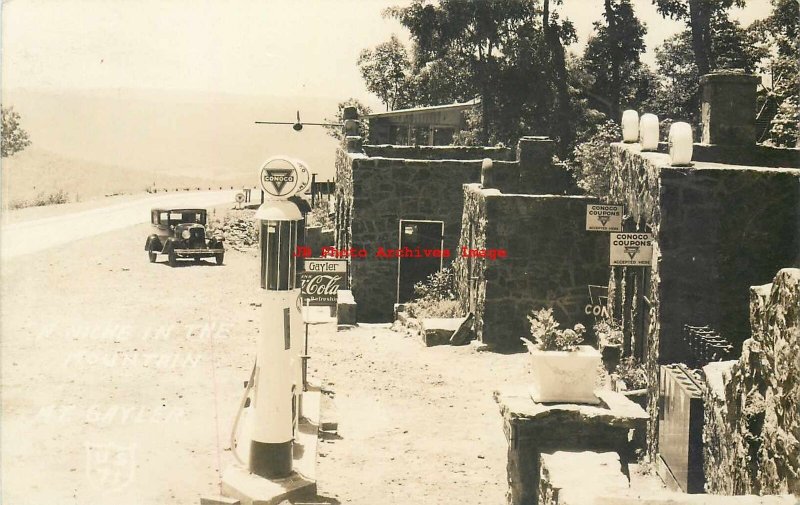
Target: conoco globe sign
column 282, row 177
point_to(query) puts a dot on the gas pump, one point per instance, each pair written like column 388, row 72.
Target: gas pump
column 277, row 377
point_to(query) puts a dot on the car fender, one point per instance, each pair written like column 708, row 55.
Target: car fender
column 214, row 243
column 153, row 241
column 169, row 245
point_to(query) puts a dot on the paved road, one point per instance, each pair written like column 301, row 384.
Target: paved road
column 26, row 237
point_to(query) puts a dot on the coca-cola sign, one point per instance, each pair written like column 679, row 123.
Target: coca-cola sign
column 321, row 284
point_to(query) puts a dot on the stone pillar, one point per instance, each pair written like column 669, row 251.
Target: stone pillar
column 728, row 108
column 352, row 130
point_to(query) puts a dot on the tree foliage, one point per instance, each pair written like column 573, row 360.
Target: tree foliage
column 699, row 16
column 15, row 139
column 678, row 97
column 612, row 59
column 507, row 52
column 385, row 70
column 592, row 160
column 779, row 36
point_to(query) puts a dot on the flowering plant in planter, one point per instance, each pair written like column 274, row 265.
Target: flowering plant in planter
column 561, row 369
column 544, row 329
column 609, row 332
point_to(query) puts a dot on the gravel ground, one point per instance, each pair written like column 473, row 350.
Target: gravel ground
column 121, row 378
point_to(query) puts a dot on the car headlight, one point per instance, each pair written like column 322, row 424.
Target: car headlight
column 185, row 234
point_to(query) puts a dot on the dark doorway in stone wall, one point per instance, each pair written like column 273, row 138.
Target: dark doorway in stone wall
column 418, row 235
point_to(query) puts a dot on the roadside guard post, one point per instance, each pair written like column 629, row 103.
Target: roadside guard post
column 278, row 376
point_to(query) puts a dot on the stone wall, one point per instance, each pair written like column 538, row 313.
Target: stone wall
column 440, row 152
column 380, row 185
column 718, row 230
column 752, row 431
column 375, row 194
column 551, row 261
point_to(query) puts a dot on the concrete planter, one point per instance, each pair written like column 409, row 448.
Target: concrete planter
column 564, row 376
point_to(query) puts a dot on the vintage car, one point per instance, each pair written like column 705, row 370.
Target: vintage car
column 181, row 233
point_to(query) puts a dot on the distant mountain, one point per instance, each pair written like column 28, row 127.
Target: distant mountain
column 127, row 138
column 35, row 170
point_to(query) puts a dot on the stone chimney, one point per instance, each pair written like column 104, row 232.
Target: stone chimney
column 352, row 136
column 728, row 108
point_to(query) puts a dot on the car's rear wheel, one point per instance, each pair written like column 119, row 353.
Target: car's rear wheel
column 173, row 259
column 197, row 259
column 219, row 257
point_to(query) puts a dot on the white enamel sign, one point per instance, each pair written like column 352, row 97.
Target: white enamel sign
column 603, row 217
column 631, row 249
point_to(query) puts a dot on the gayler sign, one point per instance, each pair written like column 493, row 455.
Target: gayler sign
column 321, row 281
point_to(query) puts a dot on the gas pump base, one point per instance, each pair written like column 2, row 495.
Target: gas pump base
column 252, row 489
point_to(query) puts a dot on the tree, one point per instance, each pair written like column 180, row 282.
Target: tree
column 363, row 110
column 557, row 35
column 592, row 160
column 441, row 81
column 473, row 35
column 385, row 71
column 678, row 96
column 497, row 50
column 698, row 16
column 778, row 36
column 612, row 58
column 15, row 139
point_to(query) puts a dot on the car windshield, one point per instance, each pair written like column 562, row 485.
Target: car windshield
column 182, row 216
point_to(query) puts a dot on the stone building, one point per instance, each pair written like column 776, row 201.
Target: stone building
column 424, row 126
column 727, row 222
column 391, row 197
column 451, row 197
column 532, row 209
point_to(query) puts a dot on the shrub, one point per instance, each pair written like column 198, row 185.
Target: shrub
column 436, row 297
column 593, row 160
column 547, row 336
column 320, row 214
column 435, row 308
column 439, row 286
column 609, row 332
column 632, row 372
column 42, row 199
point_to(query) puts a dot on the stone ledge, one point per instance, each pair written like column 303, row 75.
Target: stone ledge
column 575, row 478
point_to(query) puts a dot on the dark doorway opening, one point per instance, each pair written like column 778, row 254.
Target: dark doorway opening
column 423, row 235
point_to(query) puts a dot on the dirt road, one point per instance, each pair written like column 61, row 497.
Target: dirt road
column 120, row 380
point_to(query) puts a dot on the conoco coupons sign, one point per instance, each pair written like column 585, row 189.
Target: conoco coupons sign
column 631, row 249
column 321, row 281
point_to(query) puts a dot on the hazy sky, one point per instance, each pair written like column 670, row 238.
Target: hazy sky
column 173, row 86
column 299, row 47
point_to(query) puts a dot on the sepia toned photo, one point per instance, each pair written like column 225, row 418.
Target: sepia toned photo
column 484, row 252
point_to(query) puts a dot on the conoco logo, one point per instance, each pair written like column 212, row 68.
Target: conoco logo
column 278, row 178
column 320, row 285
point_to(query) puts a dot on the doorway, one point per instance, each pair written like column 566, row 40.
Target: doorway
column 417, row 234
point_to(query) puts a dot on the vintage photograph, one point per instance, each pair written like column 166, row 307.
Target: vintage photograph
column 413, row 252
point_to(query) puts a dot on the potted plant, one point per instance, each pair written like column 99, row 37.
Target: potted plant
column 562, row 370
column 609, row 339
column 630, row 378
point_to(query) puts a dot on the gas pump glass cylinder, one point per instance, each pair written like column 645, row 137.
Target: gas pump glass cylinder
column 278, row 240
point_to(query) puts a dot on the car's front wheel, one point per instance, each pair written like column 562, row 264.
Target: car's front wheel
column 173, row 259
column 219, row 257
column 152, row 255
